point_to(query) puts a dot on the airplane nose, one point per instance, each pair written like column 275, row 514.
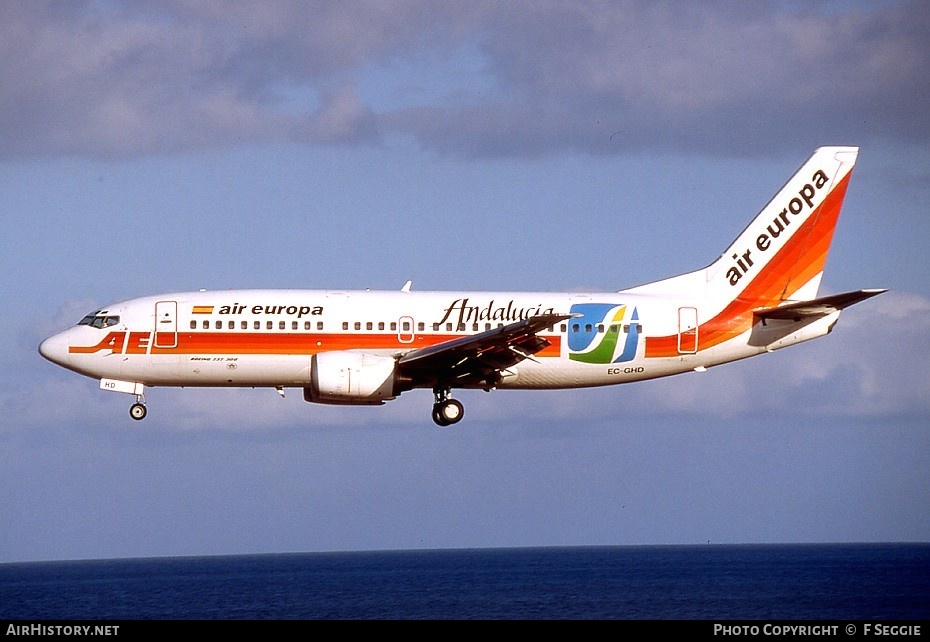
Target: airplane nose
column 55, row 348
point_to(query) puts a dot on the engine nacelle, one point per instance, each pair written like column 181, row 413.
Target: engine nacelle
column 352, row 378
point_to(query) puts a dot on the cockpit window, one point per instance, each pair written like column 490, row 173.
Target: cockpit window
column 99, row 319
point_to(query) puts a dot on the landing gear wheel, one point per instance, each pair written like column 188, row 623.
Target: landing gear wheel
column 448, row 412
column 137, row 411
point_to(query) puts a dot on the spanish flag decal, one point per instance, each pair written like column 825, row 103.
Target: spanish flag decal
column 203, row 309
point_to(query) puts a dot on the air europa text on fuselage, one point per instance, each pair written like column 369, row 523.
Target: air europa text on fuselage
column 491, row 312
column 255, row 310
column 774, row 229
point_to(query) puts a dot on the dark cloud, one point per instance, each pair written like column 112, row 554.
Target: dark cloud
column 118, row 79
column 108, row 79
column 608, row 78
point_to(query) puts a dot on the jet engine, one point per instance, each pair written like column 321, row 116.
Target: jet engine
column 352, row 378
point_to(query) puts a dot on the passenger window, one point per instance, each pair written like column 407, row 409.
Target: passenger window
column 435, row 327
column 487, row 326
column 293, row 325
column 381, row 325
column 358, row 325
column 345, row 325
column 369, row 326
column 319, row 325
column 421, row 326
column 393, row 326
column 563, row 327
column 206, row 324
column 575, row 327
column 281, row 325
column 231, row 325
column 244, row 325
column 269, row 325
column 257, row 325
column 406, row 326
column 600, row 327
column 306, row 325
column 193, row 325
column 474, row 327
column 448, row 327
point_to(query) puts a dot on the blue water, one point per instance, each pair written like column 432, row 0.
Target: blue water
column 797, row 582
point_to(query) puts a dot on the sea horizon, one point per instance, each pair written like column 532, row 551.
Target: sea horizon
column 850, row 581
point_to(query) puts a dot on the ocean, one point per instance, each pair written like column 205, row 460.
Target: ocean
column 876, row 582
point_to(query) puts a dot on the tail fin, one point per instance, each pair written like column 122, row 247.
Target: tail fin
column 780, row 256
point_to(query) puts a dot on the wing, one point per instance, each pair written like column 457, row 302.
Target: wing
column 478, row 359
column 815, row 307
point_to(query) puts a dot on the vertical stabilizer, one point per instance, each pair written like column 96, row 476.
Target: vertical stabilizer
column 780, row 256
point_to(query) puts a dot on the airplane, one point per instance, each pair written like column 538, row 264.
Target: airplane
column 368, row 347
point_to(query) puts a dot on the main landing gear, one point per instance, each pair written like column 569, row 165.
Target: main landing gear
column 446, row 410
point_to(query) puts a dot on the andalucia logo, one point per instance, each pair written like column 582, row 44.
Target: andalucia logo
column 596, row 332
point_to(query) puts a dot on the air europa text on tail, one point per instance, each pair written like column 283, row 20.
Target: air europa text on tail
column 778, row 225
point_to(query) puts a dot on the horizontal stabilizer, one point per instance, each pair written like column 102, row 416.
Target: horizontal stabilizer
column 816, row 307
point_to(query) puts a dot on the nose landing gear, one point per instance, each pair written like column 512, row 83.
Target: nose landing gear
column 138, row 410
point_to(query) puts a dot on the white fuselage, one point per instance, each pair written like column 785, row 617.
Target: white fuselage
column 267, row 337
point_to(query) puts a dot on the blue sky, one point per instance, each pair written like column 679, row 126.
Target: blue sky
column 162, row 146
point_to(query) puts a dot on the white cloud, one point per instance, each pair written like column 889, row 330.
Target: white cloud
column 874, row 363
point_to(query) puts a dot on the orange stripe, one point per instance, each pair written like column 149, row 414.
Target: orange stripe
column 233, row 343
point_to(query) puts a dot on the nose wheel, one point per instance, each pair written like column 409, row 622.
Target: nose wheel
column 138, row 410
column 446, row 410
